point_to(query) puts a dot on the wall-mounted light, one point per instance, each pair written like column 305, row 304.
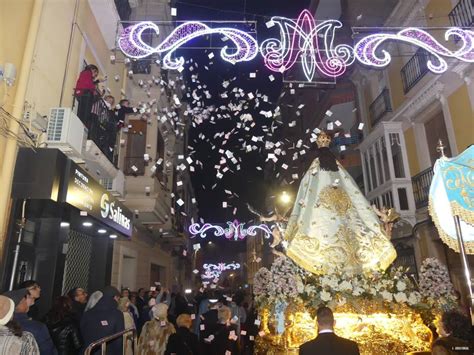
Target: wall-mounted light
column 113, row 236
column 87, row 224
column 102, row 231
column 64, row 224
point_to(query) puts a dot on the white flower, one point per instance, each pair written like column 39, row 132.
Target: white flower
column 401, row 286
column 359, row 290
column 345, row 286
column 342, row 301
column 400, row 297
column 414, row 298
column 325, row 296
column 387, row 296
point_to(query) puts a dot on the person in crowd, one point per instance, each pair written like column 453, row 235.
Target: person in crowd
column 103, row 320
column 38, row 329
column 109, row 102
column 327, row 342
column 125, row 293
column 13, row 340
column 93, row 299
column 123, row 305
column 141, row 299
column 63, row 328
column 146, row 314
column 122, row 110
column 183, row 342
column 210, row 319
column 225, row 339
column 164, row 296
column 34, row 293
column 455, row 336
column 78, row 297
column 86, row 93
column 155, row 333
column 132, row 308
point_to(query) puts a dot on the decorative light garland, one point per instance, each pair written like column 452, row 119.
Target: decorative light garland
column 214, row 271
column 235, row 230
column 302, row 39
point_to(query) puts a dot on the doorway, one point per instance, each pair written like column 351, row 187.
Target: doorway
column 157, row 274
column 129, row 272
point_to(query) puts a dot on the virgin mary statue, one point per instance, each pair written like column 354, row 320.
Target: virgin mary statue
column 332, row 225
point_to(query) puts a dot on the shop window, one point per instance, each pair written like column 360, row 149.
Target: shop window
column 136, row 148
column 397, row 157
column 435, row 130
column 403, row 199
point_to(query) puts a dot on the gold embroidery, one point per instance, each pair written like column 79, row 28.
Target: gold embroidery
column 335, row 199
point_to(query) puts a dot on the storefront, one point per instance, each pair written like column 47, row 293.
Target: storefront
column 69, row 225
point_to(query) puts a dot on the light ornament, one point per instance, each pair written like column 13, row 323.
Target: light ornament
column 366, row 49
column 132, row 44
column 302, row 39
column 234, row 230
column 214, row 271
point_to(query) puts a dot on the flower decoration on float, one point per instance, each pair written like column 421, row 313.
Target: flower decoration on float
column 305, row 41
column 235, row 230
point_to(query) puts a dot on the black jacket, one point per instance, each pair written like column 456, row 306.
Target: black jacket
column 66, row 336
column 101, row 321
column 329, row 343
column 221, row 343
column 183, row 342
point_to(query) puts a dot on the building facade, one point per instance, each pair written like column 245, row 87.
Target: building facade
column 407, row 110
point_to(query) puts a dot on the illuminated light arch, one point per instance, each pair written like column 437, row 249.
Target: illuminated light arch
column 132, row 45
column 365, row 50
column 302, row 39
column 235, row 230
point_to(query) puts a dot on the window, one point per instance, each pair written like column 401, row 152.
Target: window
column 397, row 157
column 373, row 168
column 369, row 182
column 379, row 162
column 435, row 130
column 403, row 199
column 385, row 158
column 160, row 153
column 136, row 148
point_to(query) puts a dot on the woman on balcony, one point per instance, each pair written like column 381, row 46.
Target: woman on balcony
column 85, row 92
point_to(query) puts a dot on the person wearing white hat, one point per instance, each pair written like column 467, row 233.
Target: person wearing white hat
column 12, row 339
column 155, row 333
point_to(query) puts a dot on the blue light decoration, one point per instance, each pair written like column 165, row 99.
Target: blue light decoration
column 304, row 41
column 235, row 230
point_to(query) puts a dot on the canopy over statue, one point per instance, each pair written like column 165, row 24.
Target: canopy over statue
column 332, row 224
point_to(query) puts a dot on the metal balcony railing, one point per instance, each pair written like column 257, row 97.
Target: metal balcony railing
column 421, row 187
column 102, row 128
column 380, row 106
column 462, row 15
column 415, row 69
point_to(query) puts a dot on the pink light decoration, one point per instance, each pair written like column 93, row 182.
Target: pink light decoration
column 301, row 39
column 235, row 230
column 366, row 49
column 132, row 45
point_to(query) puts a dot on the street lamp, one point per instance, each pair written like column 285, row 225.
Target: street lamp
column 285, row 197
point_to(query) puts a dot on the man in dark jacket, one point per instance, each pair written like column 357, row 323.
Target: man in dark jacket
column 327, row 342
column 78, row 297
column 104, row 320
column 38, row 329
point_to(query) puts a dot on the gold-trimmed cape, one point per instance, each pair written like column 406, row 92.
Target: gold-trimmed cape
column 332, row 226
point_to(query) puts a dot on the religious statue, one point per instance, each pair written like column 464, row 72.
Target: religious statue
column 388, row 217
column 332, row 225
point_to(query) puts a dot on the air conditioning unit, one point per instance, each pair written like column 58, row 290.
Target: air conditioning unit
column 66, row 132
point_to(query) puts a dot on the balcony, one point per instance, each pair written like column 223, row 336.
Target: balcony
column 462, row 15
column 421, row 187
column 415, row 69
column 380, row 106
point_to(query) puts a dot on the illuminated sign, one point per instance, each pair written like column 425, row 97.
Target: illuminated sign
column 305, row 40
column 86, row 194
column 234, row 230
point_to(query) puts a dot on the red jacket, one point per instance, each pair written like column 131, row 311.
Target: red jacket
column 85, row 83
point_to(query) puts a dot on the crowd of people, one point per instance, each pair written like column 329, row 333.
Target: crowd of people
column 165, row 322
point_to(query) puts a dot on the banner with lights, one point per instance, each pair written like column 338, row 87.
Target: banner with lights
column 305, row 41
column 235, row 230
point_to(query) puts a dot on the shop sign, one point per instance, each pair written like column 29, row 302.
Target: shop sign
column 86, row 194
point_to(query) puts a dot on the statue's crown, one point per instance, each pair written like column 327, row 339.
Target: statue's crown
column 323, row 140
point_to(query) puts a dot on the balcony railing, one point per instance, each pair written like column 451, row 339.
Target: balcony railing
column 96, row 116
column 380, row 106
column 421, row 187
column 462, row 15
column 415, row 69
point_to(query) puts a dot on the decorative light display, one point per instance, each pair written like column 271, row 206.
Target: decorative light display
column 302, row 40
column 132, row 44
column 366, row 49
column 235, row 230
column 214, row 271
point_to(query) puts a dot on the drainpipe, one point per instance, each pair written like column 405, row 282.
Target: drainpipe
column 11, row 147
